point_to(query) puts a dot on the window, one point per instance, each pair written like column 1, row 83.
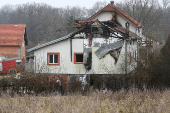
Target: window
column 78, row 58
column 53, row 58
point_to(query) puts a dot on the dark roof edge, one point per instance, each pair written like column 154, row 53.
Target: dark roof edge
column 49, row 43
column 55, row 41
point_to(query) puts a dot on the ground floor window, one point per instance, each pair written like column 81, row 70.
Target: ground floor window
column 78, row 58
column 53, row 58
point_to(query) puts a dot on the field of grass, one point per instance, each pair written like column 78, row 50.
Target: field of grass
column 95, row 102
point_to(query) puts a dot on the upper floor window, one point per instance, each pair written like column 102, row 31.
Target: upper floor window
column 53, row 58
column 78, row 58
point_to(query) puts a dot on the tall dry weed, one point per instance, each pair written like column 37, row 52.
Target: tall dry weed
column 117, row 102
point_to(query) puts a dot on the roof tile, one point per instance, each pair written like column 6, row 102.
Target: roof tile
column 11, row 34
column 118, row 10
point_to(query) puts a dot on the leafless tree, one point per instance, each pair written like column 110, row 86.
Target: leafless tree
column 165, row 3
column 45, row 23
column 96, row 7
column 147, row 12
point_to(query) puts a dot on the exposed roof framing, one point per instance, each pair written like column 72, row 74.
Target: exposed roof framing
column 117, row 28
column 87, row 29
column 113, row 27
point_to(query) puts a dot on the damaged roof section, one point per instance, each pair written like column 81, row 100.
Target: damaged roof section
column 103, row 50
column 111, row 26
column 86, row 28
column 104, row 28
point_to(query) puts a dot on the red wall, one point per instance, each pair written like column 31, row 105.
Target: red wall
column 12, row 49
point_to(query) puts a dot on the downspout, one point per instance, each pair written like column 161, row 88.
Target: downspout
column 35, row 68
column 71, row 48
column 19, row 51
column 90, row 39
column 126, row 37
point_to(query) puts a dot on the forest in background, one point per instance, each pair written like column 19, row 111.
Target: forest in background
column 45, row 23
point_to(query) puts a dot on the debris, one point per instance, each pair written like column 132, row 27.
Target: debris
column 113, row 49
column 87, row 58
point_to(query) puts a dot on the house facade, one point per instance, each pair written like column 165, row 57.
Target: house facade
column 13, row 39
column 106, row 43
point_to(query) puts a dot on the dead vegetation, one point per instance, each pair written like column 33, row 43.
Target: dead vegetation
column 117, row 102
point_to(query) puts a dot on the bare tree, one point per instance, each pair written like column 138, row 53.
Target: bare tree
column 147, row 12
column 96, row 7
column 5, row 11
column 45, row 23
column 165, row 3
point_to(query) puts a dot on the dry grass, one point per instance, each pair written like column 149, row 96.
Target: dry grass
column 96, row 102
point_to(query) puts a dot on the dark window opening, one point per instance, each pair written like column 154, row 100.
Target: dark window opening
column 53, row 58
column 131, row 42
column 79, row 57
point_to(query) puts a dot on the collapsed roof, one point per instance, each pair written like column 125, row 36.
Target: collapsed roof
column 108, row 27
column 104, row 28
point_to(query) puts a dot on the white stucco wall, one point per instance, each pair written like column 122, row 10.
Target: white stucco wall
column 103, row 16
column 105, row 65
column 122, row 21
column 66, row 66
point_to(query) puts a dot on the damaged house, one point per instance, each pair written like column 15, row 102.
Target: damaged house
column 106, row 43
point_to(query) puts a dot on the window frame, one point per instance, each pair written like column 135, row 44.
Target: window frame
column 53, row 53
column 75, row 58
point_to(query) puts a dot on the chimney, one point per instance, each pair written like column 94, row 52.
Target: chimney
column 112, row 3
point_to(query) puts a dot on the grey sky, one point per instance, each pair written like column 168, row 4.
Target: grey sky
column 57, row 3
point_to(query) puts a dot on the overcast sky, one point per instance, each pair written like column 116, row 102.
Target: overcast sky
column 57, row 3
